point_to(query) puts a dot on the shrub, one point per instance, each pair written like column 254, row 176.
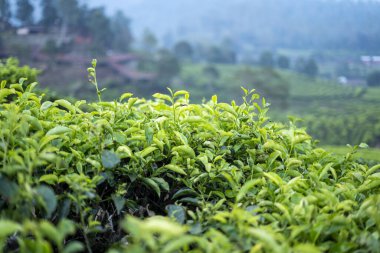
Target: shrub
column 11, row 72
column 373, row 79
column 211, row 177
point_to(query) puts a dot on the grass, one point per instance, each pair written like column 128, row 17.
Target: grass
column 372, row 94
column 371, row 154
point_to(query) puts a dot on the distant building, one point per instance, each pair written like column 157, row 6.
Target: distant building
column 376, row 59
column 366, row 59
column 82, row 40
column 126, row 65
column 370, row 60
column 123, row 65
column 342, row 80
column 27, row 30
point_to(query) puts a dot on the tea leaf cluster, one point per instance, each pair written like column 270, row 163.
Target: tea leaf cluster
column 166, row 175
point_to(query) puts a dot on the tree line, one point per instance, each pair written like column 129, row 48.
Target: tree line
column 72, row 17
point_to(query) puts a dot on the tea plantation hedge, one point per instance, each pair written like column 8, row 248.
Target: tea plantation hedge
column 165, row 175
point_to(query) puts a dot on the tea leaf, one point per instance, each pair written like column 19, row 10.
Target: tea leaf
column 58, row 130
column 246, row 187
column 149, row 135
column 163, row 97
column 110, row 159
column 73, row 247
column 175, row 168
column 184, row 150
column 125, row 96
column 180, row 92
column 146, row 151
column 162, row 183
column 178, row 212
column 119, row 202
column 49, row 198
column 65, row 104
column 152, row 184
column 8, row 189
column 49, row 178
column 8, row 227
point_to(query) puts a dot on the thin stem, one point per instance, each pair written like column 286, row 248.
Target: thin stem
column 98, row 92
column 84, row 229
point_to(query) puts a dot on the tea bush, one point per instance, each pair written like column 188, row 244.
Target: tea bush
column 165, row 175
column 11, row 72
column 343, row 129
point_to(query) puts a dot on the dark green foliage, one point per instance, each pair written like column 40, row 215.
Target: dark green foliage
column 25, row 12
column 49, row 17
column 183, row 50
column 307, row 67
column 122, row 36
column 283, row 62
column 71, row 13
column 336, row 114
column 149, row 41
column 223, row 55
column 168, row 66
column 51, row 48
column 5, row 13
column 333, row 127
column 166, row 175
column 211, row 72
column 373, row 79
column 266, row 60
column 311, row 68
column 99, row 28
column 268, row 82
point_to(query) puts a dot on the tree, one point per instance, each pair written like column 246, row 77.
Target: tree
column 1, row 44
column 49, row 15
column 373, row 79
column 307, row 67
column 229, row 56
column 299, row 64
column 183, row 50
column 211, row 72
column 99, row 29
column 214, row 55
column 268, row 82
column 167, row 66
column 311, row 68
column 149, row 41
column 217, row 54
column 122, row 36
column 283, row 62
column 70, row 13
column 51, row 48
column 266, row 60
column 5, row 13
column 25, row 12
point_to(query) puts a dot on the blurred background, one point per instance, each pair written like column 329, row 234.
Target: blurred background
column 317, row 60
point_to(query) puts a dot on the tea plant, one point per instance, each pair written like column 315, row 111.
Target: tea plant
column 11, row 72
column 166, row 175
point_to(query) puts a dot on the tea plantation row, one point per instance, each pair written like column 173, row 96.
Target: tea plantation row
column 166, row 175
